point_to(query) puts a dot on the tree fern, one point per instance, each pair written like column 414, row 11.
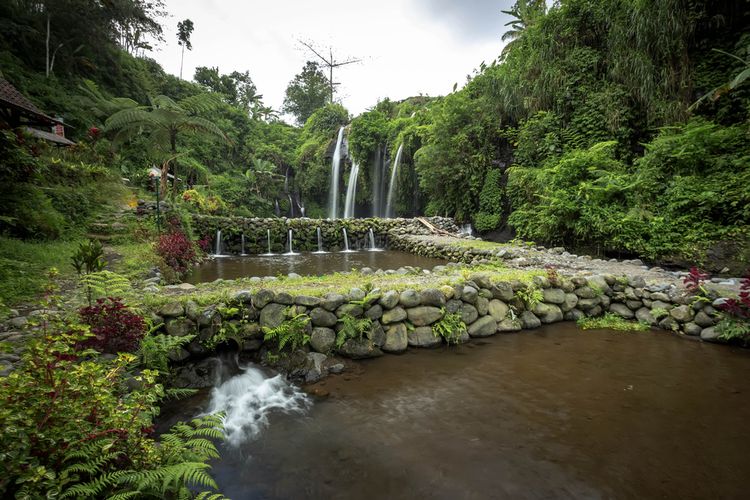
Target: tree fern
column 106, row 284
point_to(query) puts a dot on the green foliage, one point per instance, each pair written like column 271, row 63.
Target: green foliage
column 451, row 328
column 104, row 284
column 155, row 349
column 530, row 296
column 89, row 258
column 291, row 333
column 307, row 92
column 611, row 321
column 734, row 329
column 351, row 328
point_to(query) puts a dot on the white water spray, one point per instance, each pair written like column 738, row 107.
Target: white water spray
column 333, row 197
column 248, row 399
column 389, row 208
column 351, row 192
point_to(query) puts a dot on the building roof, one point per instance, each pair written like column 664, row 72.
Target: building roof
column 10, row 97
column 49, row 136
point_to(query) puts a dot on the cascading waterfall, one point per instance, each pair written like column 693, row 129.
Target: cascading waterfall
column 389, row 208
column 333, row 196
column 291, row 247
column 346, row 242
column 247, row 399
column 242, row 250
column 377, row 183
column 320, row 241
column 277, row 209
column 268, row 236
column 218, row 247
column 373, row 248
column 291, row 206
column 351, row 192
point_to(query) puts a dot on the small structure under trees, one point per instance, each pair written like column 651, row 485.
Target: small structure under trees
column 17, row 111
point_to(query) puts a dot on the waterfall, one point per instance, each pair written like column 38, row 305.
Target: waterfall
column 291, row 206
column 277, row 209
column 320, row 242
column 291, row 248
column 377, row 183
column 217, row 249
column 333, row 198
column 242, row 239
column 268, row 236
column 247, row 399
column 351, row 192
column 346, row 241
column 373, row 248
column 389, row 208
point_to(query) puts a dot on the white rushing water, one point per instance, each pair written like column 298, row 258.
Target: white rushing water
column 389, row 208
column 218, row 246
column 248, row 399
column 351, row 192
column 333, row 195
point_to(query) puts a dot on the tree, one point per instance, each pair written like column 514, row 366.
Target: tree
column 237, row 87
column 329, row 62
column 307, row 92
column 165, row 120
column 524, row 13
column 184, row 30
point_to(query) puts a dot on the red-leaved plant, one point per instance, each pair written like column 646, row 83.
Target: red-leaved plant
column 695, row 279
column 177, row 251
column 115, row 327
column 740, row 307
column 204, row 244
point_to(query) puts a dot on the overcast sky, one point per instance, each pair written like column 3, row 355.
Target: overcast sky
column 407, row 47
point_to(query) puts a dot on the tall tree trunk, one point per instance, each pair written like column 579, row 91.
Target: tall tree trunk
column 46, row 61
column 182, row 60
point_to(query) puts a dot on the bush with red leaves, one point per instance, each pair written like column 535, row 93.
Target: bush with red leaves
column 695, row 279
column 204, row 244
column 115, row 327
column 177, row 251
column 740, row 307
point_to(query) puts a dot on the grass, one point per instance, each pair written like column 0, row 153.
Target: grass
column 136, row 259
column 611, row 321
column 24, row 266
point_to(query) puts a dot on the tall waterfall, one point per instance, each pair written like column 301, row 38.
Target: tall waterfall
column 351, row 192
column 333, row 198
column 389, row 208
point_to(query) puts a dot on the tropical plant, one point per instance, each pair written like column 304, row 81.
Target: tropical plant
column 89, row 257
column 351, row 328
column 114, row 326
column 450, row 328
column 155, row 349
column 177, row 251
column 290, row 335
column 104, row 284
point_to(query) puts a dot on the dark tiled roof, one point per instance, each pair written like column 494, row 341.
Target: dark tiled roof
column 49, row 136
column 9, row 96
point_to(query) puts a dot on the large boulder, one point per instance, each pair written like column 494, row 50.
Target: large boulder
column 322, row 317
column 483, row 327
column 570, row 301
column 389, row 300
column 433, row 297
column 585, row 292
column 509, row 325
column 393, row 315
column 179, row 327
column 332, row 301
column 359, row 349
column 548, row 313
column 621, row 310
column 422, row 336
column 710, row 334
column 529, row 320
column 453, row 306
column 322, row 339
column 469, row 294
column 643, row 315
column 498, row 309
column 354, row 310
column 262, row 298
column 172, row 310
column 375, row 312
column 272, row 315
column 409, row 298
column 503, row 291
column 396, row 339
column 704, row 320
column 424, row 315
column 554, row 296
column 307, row 301
column 683, row 313
column 469, row 313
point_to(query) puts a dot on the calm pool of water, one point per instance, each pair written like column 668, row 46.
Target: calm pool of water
column 553, row 413
column 306, row 264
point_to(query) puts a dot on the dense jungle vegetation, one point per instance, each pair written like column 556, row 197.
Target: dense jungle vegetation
column 620, row 126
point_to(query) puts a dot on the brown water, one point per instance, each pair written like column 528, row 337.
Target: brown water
column 554, row 413
column 306, row 264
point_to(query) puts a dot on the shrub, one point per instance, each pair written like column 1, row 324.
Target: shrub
column 736, row 324
column 613, row 322
column 484, row 222
column 115, row 327
column 695, row 279
column 177, row 251
column 450, row 328
column 351, row 328
column 291, row 333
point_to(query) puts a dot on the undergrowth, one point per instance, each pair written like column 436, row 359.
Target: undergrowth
column 611, row 321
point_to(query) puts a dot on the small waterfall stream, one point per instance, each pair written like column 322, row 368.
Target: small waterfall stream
column 219, row 245
column 373, row 248
column 268, row 237
column 242, row 248
column 320, row 242
column 333, row 196
column 351, row 192
column 291, row 248
column 389, row 208
column 346, row 242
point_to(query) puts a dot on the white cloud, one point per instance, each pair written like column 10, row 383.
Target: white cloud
column 406, row 47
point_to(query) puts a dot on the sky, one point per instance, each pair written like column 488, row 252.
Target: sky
column 406, row 47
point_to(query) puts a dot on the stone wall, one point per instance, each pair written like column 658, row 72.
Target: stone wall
column 304, row 232
column 403, row 319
